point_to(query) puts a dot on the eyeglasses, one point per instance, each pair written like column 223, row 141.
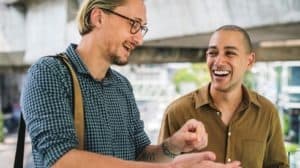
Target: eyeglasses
column 136, row 26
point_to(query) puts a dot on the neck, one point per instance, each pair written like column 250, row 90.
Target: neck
column 227, row 101
column 93, row 58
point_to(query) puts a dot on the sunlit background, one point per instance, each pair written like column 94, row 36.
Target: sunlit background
column 171, row 62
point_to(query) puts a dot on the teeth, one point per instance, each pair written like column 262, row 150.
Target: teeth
column 127, row 48
column 221, row 72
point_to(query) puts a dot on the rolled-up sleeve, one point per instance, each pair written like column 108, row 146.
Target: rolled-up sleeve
column 47, row 110
column 140, row 137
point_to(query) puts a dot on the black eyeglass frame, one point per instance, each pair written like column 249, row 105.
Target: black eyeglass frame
column 134, row 23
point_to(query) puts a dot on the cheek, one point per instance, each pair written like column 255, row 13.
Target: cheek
column 209, row 62
column 240, row 69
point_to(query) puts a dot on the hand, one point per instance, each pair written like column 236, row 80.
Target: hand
column 211, row 164
column 190, row 136
column 200, row 160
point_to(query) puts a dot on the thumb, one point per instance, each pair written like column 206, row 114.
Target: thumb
column 199, row 156
column 194, row 158
column 207, row 156
column 234, row 164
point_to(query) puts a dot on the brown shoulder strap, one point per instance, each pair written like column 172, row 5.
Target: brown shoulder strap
column 78, row 117
column 78, row 104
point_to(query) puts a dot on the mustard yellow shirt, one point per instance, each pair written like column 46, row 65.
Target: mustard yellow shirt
column 253, row 136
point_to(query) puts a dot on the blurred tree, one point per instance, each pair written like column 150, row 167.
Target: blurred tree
column 197, row 74
column 249, row 80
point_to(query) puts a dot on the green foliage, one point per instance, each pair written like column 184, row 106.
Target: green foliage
column 286, row 123
column 249, row 80
column 291, row 147
column 197, row 73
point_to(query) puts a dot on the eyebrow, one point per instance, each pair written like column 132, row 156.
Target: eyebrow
column 231, row 48
column 226, row 47
column 212, row 47
column 139, row 20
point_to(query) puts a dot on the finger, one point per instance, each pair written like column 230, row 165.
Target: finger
column 211, row 164
column 189, row 137
column 197, row 127
column 199, row 157
column 234, row 164
column 202, row 143
column 200, row 131
column 192, row 124
column 207, row 155
column 193, row 142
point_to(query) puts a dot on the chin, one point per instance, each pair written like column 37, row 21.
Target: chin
column 120, row 62
column 117, row 60
column 220, row 87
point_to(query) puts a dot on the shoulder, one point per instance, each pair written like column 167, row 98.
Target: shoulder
column 48, row 71
column 262, row 102
column 46, row 64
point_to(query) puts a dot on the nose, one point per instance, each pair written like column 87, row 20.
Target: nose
column 139, row 38
column 219, row 59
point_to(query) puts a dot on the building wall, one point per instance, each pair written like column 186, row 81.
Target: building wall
column 45, row 28
column 190, row 17
column 12, row 28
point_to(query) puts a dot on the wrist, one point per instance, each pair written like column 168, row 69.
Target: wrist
column 169, row 150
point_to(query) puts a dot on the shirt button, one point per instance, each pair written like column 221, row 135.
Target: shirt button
column 228, row 160
column 229, row 133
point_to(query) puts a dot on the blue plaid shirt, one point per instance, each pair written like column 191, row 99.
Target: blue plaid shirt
column 112, row 121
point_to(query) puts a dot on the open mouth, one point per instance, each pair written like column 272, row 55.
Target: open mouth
column 127, row 49
column 221, row 73
column 128, row 46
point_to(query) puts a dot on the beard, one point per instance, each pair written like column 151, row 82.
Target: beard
column 116, row 60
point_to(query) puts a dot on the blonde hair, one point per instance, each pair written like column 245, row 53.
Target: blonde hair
column 83, row 15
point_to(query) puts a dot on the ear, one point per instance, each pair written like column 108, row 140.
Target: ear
column 96, row 17
column 251, row 60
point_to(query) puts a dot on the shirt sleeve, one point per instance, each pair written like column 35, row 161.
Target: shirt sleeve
column 47, row 110
column 164, row 131
column 169, row 124
column 276, row 156
column 140, row 137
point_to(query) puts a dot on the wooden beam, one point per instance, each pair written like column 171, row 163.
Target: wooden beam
column 286, row 53
column 152, row 55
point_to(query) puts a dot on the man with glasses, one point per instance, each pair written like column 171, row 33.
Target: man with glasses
column 114, row 133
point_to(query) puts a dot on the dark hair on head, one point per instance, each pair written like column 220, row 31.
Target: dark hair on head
column 248, row 43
